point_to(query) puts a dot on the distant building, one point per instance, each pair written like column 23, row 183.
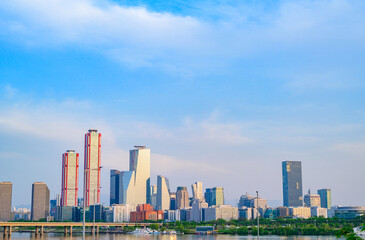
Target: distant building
column 119, row 213
column 349, row 212
column 172, row 215
column 172, row 200
column 282, row 212
column 70, row 178
column 21, row 214
column 245, row 213
column 92, row 163
column 114, row 186
column 197, row 189
column 65, row 213
column 292, row 183
column 225, row 212
column 270, row 213
column 182, row 198
column 245, row 201
column 214, row 196
column 40, row 201
column 163, row 193
column 135, row 183
column 154, row 196
column 312, row 200
column 185, row 215
column 145, row 212
column 99, row 212
column 318, row 212
column 197, row 209
column 5, row 201
column 326, row 198
column 300, row 212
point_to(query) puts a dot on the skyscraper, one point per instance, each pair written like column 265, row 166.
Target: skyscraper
column 182, row 198
column 40, row 201
column 92, row 167
column 70, row 178
column 326, row 199
column 135, row 183
column 163, row 193
column 214, row 196
column 154, row 196
column 292, row 183
column 114, row 187
column 197, row 189
column 5, row 201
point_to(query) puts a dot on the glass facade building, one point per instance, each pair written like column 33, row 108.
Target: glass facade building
column 292, row 184
column 114, row 186
column 214, row 196
column 326, row 201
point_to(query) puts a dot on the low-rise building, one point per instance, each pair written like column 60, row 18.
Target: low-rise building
column 225, row 212
column 349, row 212
column 282, row 212
column 145, row 212
column 300, row 212
column 318, row 212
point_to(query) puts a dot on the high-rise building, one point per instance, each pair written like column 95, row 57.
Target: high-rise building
column 40, row 201
column 182, row 198
column 214, row 196
column 197, row 189
column 135, row 183
column 163, row 193
column 154, row 196
column 70, row 178
column 5, row 201
column 197, row 209
column 172, row 200
column 114, row 186
column 326, row 199
column 292, row 183
column 92, row 167
column 312, row 200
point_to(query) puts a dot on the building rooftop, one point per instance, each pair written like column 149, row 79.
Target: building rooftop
column 93, row 130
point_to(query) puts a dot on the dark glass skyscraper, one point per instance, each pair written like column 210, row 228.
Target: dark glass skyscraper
column 292, row 184
column 114, row 187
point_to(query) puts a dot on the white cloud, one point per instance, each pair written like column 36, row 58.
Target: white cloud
column 141, row 38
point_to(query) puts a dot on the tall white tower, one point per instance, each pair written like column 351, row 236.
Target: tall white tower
column 135, row 183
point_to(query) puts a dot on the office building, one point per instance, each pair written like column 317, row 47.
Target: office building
column 282, row 212
column 225, row 212
column 135, row 183
column 326, row 199
column 197, row 189
column 300, row 212
column 318, row 212
column 214, row 196
column 292, row 184
column 163, row 193
column 114, row 186
column 182, row 198
column 5, row 201
column 245, row 201
column 312, row 200
column 119, row 213
column 197, row 212
column 173, row 201
column 40, row 201
column 245, row 213
column 349, row 212
column 154, row 196
column 146, row 212
column 70, row 178
column 99, row 212
column 92, row 167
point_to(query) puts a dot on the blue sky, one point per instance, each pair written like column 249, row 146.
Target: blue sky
column 221, row 91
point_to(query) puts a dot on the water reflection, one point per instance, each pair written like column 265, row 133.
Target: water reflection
column 78, row 236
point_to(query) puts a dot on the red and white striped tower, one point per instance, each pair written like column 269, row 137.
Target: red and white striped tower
column 92, row 167
column 70, row 178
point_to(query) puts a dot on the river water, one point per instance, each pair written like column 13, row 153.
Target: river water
column 59, row 236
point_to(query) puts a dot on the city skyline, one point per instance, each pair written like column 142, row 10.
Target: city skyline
column 221, row 91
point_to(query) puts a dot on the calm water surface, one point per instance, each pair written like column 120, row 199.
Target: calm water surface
column 77, row 236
